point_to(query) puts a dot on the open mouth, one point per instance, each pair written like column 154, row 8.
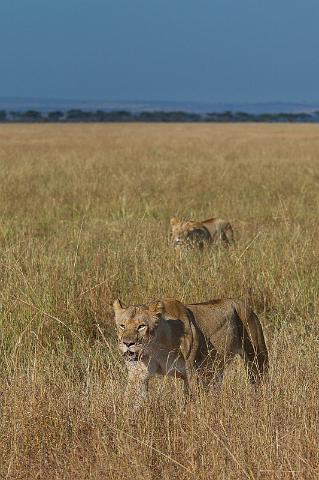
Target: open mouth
column 131, row 356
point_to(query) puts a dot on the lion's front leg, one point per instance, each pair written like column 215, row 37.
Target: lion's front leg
column 189, row 386
column 212, row 372
column 189, row 378
column 137, row 384
column 188, row 348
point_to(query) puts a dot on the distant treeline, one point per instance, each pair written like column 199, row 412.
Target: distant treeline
column 77, row 115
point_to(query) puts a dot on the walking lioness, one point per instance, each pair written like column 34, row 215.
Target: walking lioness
column 196, row 234
column 169, row 338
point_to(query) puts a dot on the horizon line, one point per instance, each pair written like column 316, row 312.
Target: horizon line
column 96, row 100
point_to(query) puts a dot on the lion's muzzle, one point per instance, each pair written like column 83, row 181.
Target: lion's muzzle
column 131, row 351
column 178, row 243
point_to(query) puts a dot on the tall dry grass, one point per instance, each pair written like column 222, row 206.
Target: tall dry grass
column 84, row 218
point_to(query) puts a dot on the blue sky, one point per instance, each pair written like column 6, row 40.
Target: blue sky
column 206, row 50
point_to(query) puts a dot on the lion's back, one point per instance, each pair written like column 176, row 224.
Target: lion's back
column 217, row 320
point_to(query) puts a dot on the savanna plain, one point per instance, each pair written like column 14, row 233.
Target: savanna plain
column 85, row 215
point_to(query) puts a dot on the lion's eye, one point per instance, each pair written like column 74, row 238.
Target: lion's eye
column 141, row 327
column 122, row 326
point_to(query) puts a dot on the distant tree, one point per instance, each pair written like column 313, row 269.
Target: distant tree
column 55, row 116
column 315, row 116
column 175, row 116
column 227, row 116
column 3, row 115
column 77, row 115
column 211, row 117
column 117, row 116
column 15, row 116
column 243, row 117
column 120, row 116
column 265, row 117
column 149, row 116
column 32, row 116
column 101, row 116
column 304, row 117
column 180, row 116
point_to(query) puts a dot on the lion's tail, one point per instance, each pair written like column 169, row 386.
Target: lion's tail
column 254, row 347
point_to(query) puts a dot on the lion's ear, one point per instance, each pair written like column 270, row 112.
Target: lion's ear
column 118, row 306
column 174, row 221
column 157, row 308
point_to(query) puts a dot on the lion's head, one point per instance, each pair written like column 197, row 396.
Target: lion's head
column 136, row 327
column 179, row 233
column 188, row 234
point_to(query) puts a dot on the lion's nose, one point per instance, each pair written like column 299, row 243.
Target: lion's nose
column 129, row 344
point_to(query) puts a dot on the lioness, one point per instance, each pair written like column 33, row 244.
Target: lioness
column 196, row 234
column 169, row 338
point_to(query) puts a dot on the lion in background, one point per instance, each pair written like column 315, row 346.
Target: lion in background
column 187, row 341
column 197, row 234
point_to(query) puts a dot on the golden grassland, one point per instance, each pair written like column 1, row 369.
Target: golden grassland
column 84, row 218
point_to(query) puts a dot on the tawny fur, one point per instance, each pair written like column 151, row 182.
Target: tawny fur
column 169, row 338
column 196, row 234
